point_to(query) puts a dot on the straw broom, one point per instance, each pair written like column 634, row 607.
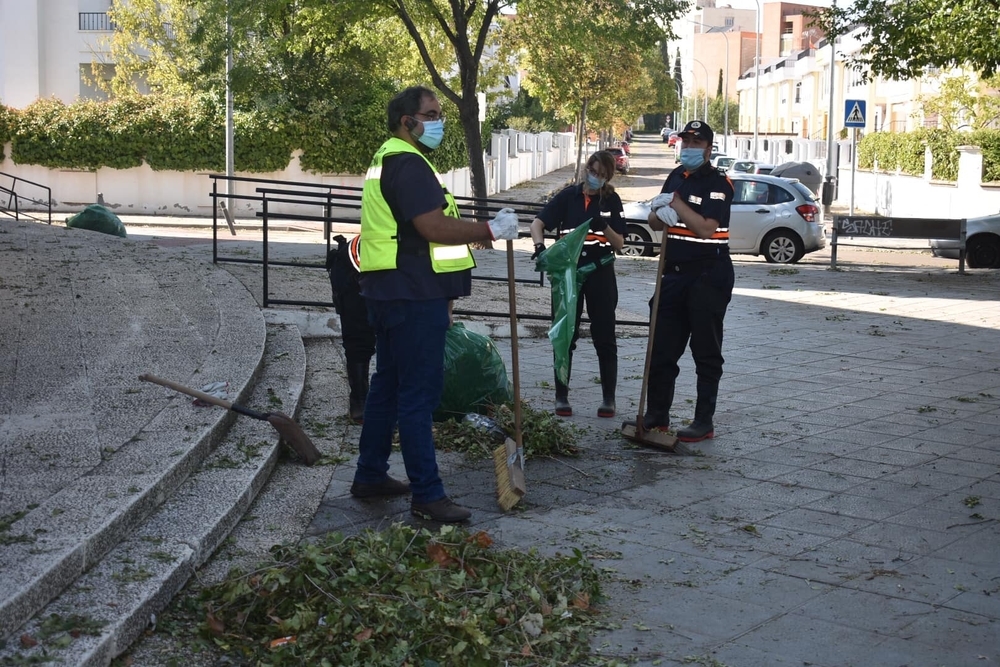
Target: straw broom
column 508, row 458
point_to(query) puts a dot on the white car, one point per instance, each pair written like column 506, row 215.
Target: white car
column 778, row 218
column 982, row 243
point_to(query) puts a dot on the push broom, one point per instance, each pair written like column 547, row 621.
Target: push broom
column 508, row 458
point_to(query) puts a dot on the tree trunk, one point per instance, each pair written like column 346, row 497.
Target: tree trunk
column 469, row 116
column 582, row 137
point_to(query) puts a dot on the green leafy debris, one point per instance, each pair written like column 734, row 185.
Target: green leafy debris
column 406, row 596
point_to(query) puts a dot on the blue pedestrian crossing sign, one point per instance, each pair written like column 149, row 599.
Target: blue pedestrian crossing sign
column 854, row 113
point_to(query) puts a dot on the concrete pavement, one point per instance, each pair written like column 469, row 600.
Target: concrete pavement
column 845, row 514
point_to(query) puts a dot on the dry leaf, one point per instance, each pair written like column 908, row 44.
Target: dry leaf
column 216, row 626
column 480, row 539
column 75, row 633
column 281, row 641
column 364, row 635
column 27, row 641
column 546, row 608
column 440, row 555
column 526, row 650
column 582, row 600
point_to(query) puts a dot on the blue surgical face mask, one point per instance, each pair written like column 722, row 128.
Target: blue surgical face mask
column 433, row 133
column 692, row 158
column 594, row 182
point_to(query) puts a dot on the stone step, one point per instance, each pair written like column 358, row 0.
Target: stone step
column 115, row 599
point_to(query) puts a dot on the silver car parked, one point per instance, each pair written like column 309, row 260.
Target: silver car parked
column 778, row 218
column 982, row 243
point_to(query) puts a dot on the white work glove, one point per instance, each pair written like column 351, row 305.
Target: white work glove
column 661, row 200
column 667, row 216
column 504, row 225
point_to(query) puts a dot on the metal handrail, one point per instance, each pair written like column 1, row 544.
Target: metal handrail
column 14, row 198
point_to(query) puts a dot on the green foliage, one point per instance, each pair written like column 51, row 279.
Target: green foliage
column 904, row 151
column 8, row 121
column 406, row 596
column 524, row 112
column 86, row 135
column 902, row 39
column 542, row 434
column 717, row 116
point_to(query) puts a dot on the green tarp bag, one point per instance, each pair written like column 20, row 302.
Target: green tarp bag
column 475, row 377
column 98, row 218
column 560, row 261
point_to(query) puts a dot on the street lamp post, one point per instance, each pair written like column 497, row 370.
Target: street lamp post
column 725, row 87
column 706, row 87
column 756, row 80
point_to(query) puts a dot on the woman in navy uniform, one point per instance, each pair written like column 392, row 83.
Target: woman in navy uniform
column 592, row 202
column 697, row 283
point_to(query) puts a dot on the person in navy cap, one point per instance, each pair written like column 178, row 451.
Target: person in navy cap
column 697, row 283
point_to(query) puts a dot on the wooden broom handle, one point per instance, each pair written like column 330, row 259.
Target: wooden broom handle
column 208, row 398
column 515, row 367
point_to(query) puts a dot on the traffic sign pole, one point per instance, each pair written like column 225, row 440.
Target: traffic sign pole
column 854, row 117
column 854, row 163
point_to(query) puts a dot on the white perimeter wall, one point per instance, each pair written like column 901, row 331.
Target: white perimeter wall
column 142, row 191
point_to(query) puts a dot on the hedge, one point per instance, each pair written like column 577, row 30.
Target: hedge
column 188, row 134
column 904, row 151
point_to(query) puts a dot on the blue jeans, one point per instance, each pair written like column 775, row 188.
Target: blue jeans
column 405, row 390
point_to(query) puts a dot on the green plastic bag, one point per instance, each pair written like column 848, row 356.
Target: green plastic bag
column 475, row 377
column 98, row 218
column 560, row 261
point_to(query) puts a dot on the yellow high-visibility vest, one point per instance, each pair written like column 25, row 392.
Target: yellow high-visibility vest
column 379, row 228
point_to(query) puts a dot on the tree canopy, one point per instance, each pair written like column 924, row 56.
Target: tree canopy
column 902, row 39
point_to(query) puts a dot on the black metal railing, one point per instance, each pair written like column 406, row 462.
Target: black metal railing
column 13, row 203
column 96, row 22
column 339, row 204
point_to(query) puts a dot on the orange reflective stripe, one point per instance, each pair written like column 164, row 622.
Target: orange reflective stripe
column 684, row 231
column 354, row 252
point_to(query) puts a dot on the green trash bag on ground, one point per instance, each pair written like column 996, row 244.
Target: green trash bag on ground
column 560, row 261
column 98, row 218
column 475, row 376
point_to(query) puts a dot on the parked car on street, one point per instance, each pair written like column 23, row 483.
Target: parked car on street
column 622, row 165
column 724, row 162
column 665, row 134
column 982, row 243
column 775, row 217
column 751, row 167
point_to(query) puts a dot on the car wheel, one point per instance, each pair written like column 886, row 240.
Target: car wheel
column 983, row 252
column 634, row 237
column 782, row 247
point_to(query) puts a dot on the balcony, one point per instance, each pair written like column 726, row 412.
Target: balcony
column 96, row 22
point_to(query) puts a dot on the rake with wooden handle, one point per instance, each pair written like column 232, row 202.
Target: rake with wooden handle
column 291, row 433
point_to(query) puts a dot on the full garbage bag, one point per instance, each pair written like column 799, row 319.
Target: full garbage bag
column 560, row 261
column 475, row 377
column 98, row 218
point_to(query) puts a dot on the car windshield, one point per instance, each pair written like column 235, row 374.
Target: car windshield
column 725, row 162
column 804, row 191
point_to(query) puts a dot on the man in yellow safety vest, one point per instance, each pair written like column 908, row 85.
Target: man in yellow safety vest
column 414, row 260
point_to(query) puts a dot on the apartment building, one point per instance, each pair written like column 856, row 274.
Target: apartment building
column 48, row 47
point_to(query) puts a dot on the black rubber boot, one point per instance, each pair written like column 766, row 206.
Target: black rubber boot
column 563, row 408
column 609, row 380
column 357, row 379
column 658, row 410
column 701, row 428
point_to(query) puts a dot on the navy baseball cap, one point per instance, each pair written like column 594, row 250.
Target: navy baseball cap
column 698, row 128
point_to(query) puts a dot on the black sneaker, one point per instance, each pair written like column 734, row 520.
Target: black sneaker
column 444, row 510
column 388, row 487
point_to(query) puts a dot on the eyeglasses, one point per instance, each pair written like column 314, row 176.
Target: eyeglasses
column 431, row 116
